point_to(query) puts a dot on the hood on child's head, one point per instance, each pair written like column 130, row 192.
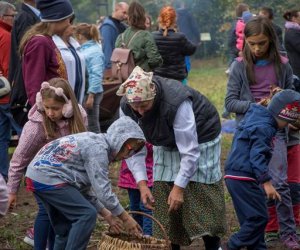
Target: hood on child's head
column 121, row 130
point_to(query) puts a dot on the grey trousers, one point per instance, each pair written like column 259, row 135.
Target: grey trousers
column 72, row 216
column 94, row 113
column 278, row 172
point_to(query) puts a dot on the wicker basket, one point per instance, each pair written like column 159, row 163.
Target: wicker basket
column 126, row 241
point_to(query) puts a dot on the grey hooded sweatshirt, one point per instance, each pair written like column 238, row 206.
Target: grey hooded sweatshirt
column 82, row 160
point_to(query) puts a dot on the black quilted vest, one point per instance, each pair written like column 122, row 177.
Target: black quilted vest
column 157, row 124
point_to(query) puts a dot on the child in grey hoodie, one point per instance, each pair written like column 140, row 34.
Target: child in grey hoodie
column 70, row 176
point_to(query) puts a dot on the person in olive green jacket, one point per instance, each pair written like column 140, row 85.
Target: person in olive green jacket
column 139, row 40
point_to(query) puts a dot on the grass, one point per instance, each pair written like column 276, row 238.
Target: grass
column 210, row 79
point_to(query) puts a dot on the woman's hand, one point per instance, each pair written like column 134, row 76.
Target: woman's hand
column 12, row 201
column 175, row 199
column 89, row 102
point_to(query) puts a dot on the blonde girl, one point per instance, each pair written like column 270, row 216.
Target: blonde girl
column 41, row 59
column 88, row 36
column 55, row 114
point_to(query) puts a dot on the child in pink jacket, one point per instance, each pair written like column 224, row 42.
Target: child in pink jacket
column 239, row 29
column 127, row 181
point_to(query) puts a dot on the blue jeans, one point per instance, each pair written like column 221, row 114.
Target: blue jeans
column 94, row 113
column 6, row 123
column 72, row 216
column 137, row 205
column 43, row 231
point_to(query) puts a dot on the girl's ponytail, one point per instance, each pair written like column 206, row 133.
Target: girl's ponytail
column 167, row 19
column 94, row 33
column 88, row 31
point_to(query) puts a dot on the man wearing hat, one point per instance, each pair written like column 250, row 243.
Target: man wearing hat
column 246, row 168
column 184, row 128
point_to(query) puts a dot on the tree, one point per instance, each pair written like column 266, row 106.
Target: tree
column 213, row 16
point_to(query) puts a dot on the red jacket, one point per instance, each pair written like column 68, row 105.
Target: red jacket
column 41, row 62
column 5, row 38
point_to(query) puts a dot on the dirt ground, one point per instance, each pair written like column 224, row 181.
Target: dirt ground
column 13, row 227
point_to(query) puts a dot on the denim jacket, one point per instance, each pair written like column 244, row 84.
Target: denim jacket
column 94, row 61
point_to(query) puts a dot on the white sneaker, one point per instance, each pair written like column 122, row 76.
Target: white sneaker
column 29, row 238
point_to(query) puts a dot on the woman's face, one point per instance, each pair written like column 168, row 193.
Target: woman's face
column 53, row 109
column 59, row 27
column 142, row 107
column 148, row 23
column 259, row 45
column 69, row 31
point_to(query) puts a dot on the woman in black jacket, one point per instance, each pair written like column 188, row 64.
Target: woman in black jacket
column 172, row 45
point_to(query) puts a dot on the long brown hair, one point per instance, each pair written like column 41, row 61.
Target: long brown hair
column 256, row 26
column 89, row 31
column 42, row 28
column 76, row 124
column 137, row 16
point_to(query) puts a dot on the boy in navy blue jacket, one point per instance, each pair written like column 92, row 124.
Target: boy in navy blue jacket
column 246, row 169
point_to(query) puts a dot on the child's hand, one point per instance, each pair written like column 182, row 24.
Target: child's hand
column 175, row 199
column 146, row 195
column 264, row 102
column 270, row 191
column 12, row 201
column 89, row 102
column 131, row 226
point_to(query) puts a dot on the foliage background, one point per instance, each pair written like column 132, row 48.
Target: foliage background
column 213, row 16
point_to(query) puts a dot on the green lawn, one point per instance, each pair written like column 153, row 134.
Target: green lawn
column 210, row 79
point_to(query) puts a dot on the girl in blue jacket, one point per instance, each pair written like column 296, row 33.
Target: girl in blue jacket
column 88, row 36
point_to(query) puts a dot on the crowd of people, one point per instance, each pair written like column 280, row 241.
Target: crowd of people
column 168, row 136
